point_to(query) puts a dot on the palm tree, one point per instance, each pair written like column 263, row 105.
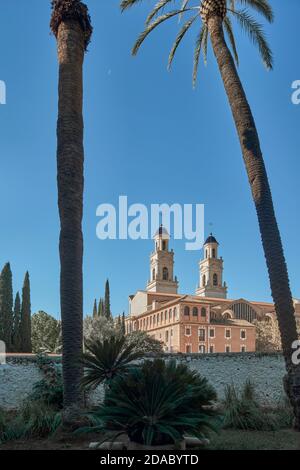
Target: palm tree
column 213, row 18
column 71, row 26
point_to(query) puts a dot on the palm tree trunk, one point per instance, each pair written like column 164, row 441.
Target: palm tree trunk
column 262, row 197
column 70, row 158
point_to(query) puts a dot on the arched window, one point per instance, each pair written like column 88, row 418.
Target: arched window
column 170, row 314
column 215, row 279
column 166, row 315
column 243, row 311
column 226, row 316
column 161, row 316
column 203, row 281
column 164, row 245
column 165, row 274
column 186, row 310
column 157, row 318
column 153, row 274
column 175, row 316
column 214, row 253
column 203, row 312
column 195, row 312
column 206, row 254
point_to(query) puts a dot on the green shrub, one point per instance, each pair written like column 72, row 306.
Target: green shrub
column 242, row 411
column 50, row 393
column 49, row 390
column 157, row 403
column 104, row 360
column 33, row 420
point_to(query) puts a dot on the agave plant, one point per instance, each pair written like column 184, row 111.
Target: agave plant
column 105, row 360
column 157, row 404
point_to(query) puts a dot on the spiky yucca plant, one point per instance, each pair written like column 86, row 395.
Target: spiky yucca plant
column 213, row 20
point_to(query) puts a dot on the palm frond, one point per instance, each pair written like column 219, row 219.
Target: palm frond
column 104, row 360
column 159, row 6
column 261, row 6
column 125, row 4
column 152, row 26
column 229, row 31
column 183, row 7
column 204, row 46
column 256, row 34
column 197, row 52
column 179, row 38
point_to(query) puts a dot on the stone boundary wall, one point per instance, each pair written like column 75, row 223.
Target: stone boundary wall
column 266, row 371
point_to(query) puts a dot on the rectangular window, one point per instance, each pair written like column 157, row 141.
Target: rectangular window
column 227, row 348
column 188, row 331
column 211, row 332
column 188, row 349
column 243, row 349
column 243, row 334
column 167, row 336
column 227, row 333
column 212, row 348
column 201, row 334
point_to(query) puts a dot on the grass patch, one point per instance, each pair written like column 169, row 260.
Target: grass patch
column 285, row 439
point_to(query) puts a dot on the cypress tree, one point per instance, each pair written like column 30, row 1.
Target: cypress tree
column 107, row 311
column 123, row 323
column 95, row 311
column 17, row 324
column 26, row 316
column 6, row 306
column 101, row 308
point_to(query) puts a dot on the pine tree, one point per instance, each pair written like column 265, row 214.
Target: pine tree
column 123, row 324
column 107, row 311
column 17, row 324
column 95, row 311
column 6, row 306
column 26, row 316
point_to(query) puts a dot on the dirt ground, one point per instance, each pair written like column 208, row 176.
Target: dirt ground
column 58, row 442
column 227, row 440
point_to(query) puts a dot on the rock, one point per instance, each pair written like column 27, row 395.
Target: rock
column 108, row 445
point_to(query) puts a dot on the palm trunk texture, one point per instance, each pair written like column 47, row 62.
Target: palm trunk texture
column 262, row 198
column 70, row 159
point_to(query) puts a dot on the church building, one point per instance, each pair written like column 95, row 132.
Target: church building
column 207, row 322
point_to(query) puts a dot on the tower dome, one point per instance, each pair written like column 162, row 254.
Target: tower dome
column 162, row 232
column 211, row 239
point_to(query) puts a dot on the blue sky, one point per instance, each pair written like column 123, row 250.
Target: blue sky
column 150, row 136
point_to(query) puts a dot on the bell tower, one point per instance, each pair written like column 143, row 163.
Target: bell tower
column 211, row 271
column 162, row 265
